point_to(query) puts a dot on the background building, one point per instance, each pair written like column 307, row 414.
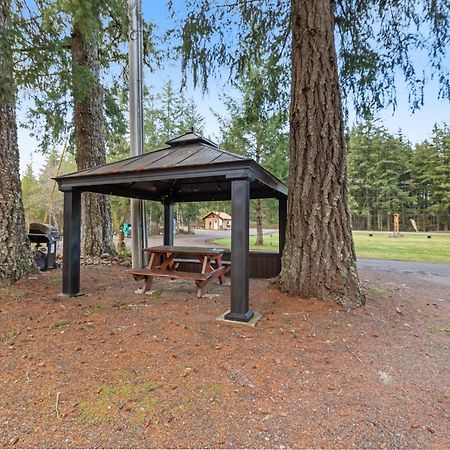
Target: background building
column 216, row 220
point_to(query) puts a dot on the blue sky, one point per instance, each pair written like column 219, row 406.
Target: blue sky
column 415, row 126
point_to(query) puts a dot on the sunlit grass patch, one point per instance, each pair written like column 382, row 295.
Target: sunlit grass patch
column 409, row 247
column 134, row 402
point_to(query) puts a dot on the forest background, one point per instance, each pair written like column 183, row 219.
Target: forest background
column 388, row 171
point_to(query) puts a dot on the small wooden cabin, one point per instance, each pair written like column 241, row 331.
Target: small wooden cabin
column 216, row 220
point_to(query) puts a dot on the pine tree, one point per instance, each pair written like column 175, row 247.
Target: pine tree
column 255, row 125
column 319, row 257
column 32, row 196
column 15, row 256
column 379, row 174
column 376, row 41
column 89, row 126
column 430, row 181
column 441, row 142
column 64, row 48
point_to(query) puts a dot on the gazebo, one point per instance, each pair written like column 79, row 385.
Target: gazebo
column 190, row 169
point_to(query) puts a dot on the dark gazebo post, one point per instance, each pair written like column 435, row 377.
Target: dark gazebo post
column 71, row 243
column 239, row 305
column 282, row 219
column 168, row 223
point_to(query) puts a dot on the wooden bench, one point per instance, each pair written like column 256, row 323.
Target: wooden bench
column 167, row 269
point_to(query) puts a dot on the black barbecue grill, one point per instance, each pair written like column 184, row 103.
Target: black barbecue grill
column 43, row 233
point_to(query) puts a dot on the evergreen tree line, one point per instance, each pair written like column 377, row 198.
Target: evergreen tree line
column 387, row 175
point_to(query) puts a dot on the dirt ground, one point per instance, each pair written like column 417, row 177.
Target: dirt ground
column 116, row 369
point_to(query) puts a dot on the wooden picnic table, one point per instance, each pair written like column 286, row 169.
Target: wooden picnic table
column 172, row 255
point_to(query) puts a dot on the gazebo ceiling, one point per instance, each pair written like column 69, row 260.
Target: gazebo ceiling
column 192, row 168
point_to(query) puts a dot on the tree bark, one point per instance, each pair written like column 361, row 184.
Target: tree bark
column 369, row 219
column 16, row 259
column 319, row 259
column 89, row 124
column 258, row 205
column 259, row 224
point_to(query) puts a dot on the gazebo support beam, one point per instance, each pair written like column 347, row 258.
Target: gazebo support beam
column 239, row 304
column 282, row 220
column 71, row 243
column 168, row 223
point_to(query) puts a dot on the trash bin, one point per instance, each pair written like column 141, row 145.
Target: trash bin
column 126, row 228
column 43, row 233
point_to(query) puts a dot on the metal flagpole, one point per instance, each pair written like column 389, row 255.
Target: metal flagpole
column 135, row 57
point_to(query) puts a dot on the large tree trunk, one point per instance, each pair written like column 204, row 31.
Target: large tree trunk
column 16, row 259
column 89, row 122
column 319, row 257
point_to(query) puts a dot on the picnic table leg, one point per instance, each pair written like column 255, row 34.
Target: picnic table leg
column 147, row 284
column 199, row 289
column 153, row 261
column 204, row 262
column 168, row 263
column 219, row 265
column 200, row 286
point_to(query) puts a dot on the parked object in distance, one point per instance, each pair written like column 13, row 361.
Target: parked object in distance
column 126, row 228
column 43, row 233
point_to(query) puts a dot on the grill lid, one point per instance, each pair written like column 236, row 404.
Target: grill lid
column 43, row 228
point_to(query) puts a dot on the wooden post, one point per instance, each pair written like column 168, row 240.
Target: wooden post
column 71, row 243
column 239, row 303
column 396, row 224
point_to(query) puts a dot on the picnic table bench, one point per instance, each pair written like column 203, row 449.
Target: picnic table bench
column 171, row 258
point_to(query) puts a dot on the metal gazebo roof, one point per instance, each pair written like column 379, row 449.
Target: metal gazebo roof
column 191, row 168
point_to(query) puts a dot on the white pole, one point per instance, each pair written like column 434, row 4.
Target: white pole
column 135, row 56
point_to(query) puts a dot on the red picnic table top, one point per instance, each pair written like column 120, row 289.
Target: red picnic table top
column 184, row 250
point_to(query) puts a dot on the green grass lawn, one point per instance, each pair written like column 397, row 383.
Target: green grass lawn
column 410, row 247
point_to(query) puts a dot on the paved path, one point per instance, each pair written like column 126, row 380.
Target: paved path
column 422, row 268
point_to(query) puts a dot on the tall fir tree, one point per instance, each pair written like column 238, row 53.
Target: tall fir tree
column 255, row 126
column 375, row 41
column 66, row 47
column 379, row 174
column 15, row 255
column 441, row 142
column 89, row 125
